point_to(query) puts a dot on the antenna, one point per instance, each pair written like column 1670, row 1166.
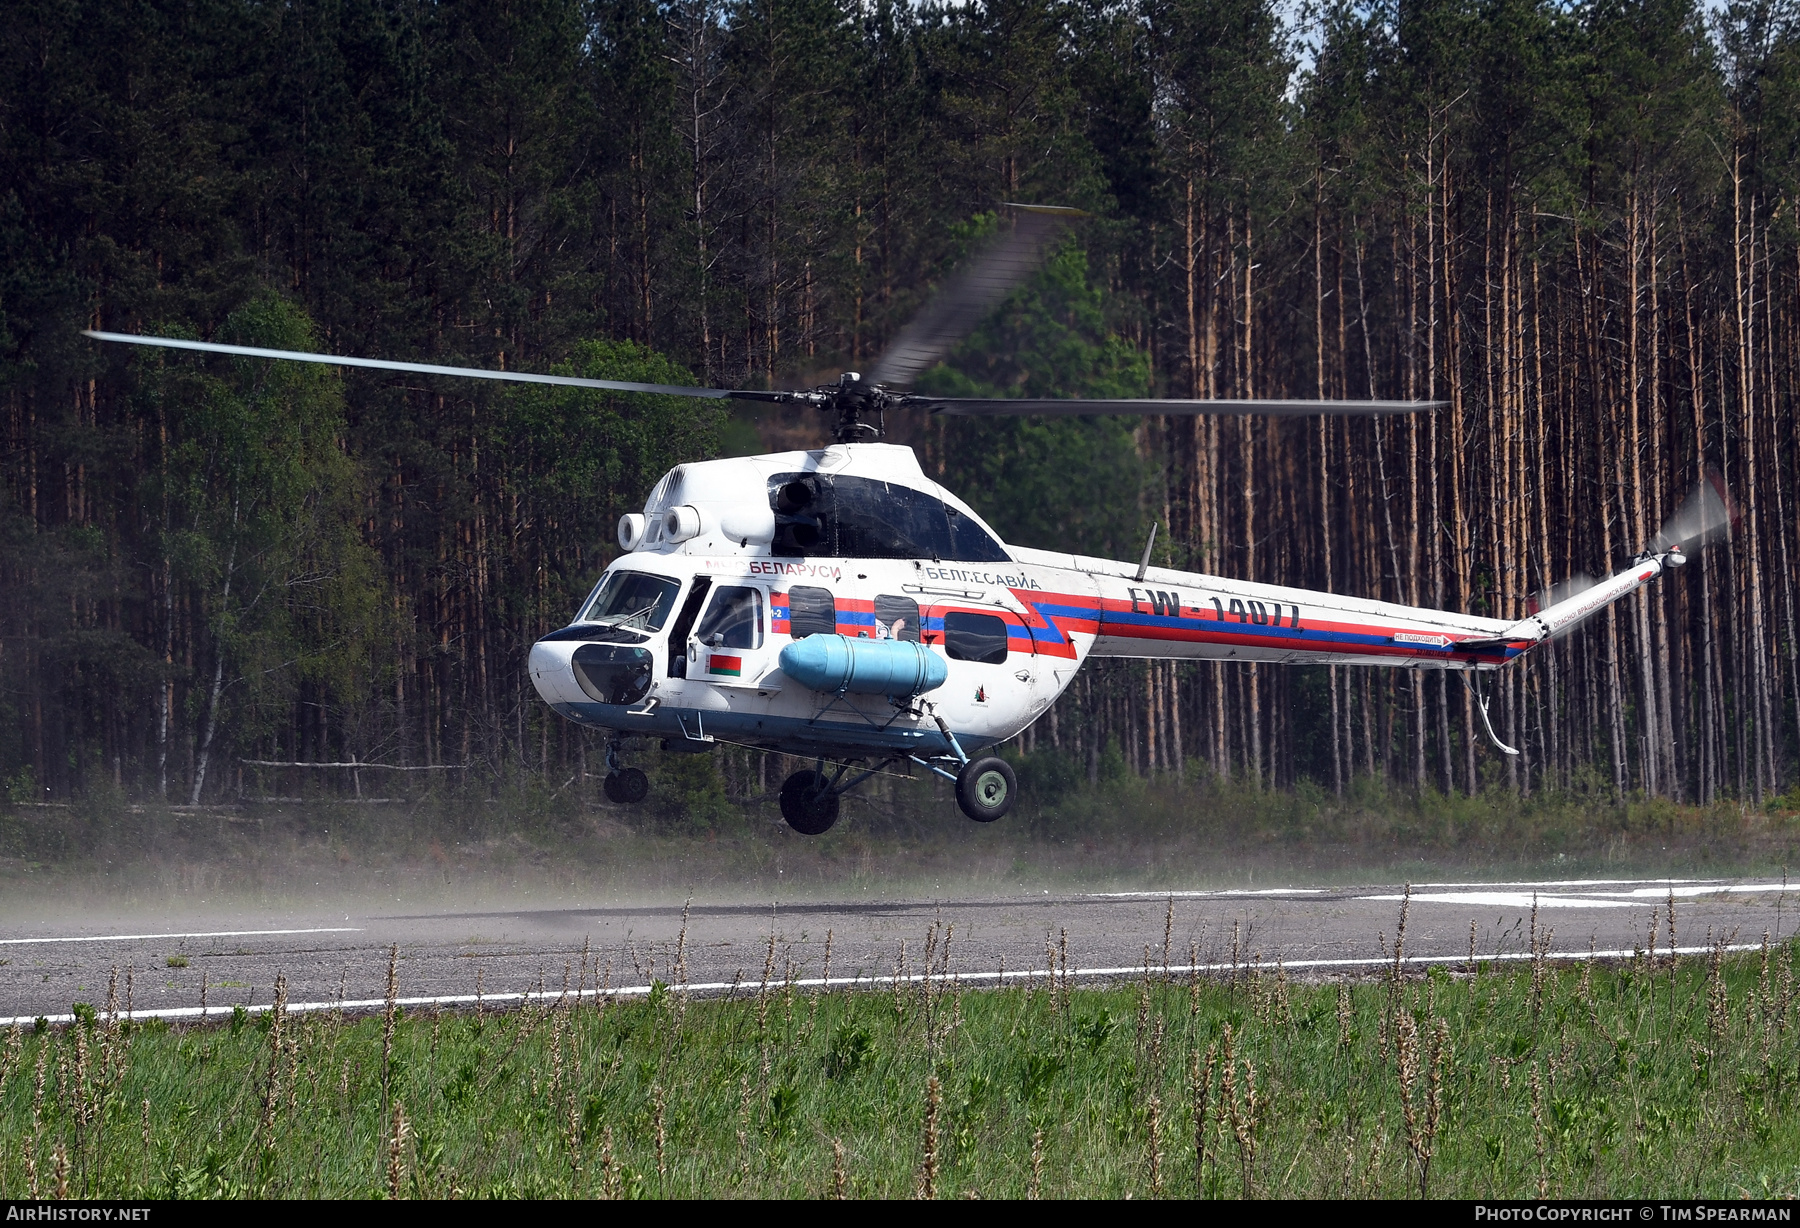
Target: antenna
column 1144, row 563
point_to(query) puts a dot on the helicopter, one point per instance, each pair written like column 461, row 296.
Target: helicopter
column 838, row 604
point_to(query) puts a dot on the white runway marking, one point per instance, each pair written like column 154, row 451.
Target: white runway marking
column 1559, row 895
column 1556, row 893
column 1502, row 899
column 1199, row 895
column 1659, row 893
column 861, row 982
column 1577, row 882
column 339, row 929
column 1661, row 888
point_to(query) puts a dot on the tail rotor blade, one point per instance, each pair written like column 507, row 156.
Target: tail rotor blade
column 1705, row 516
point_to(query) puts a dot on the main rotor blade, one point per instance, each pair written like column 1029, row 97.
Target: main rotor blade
column 420, row 368
column 1068, row 406
column 970, row 294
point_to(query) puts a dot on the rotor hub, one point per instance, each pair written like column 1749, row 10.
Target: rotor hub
column 860, row 406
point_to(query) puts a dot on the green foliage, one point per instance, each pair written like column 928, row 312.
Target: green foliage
column 689, row 793
column 581, row 459
column 21, row 787
column 1630, row 1080
column 852, row 1048
column 1071, row 483
column 263, row 522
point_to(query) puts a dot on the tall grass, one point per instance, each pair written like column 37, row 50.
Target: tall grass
column 1650, row 1077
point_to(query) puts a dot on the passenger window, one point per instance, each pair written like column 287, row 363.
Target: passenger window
column 896, row 618
column 734, row 620
column 811, row 611
column 975, row 637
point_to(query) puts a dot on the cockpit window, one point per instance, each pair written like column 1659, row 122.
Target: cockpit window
column 634, row 599
column 822, row 515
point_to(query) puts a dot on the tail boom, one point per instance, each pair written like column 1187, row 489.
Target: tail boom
column 1553, row 621
column 1163, row 614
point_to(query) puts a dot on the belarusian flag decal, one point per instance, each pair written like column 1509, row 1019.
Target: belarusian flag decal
column 730, row 666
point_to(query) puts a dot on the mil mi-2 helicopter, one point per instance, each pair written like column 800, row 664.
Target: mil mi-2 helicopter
column 838, row 604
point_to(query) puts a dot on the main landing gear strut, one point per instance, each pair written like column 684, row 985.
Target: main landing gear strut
column 985, row 790
column 811, row 799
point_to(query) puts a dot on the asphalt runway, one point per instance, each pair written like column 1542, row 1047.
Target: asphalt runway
column 452, row 957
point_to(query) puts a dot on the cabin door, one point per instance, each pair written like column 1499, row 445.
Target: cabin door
column 729, row 646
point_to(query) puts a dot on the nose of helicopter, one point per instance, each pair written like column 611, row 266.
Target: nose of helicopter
column 553, row 673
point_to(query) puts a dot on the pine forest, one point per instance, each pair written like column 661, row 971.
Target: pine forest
column 1574, row 223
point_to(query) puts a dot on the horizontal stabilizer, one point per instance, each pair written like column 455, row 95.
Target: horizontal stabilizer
column 1497, row 644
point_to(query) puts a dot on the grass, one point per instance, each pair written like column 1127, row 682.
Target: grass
column 1638, row 1079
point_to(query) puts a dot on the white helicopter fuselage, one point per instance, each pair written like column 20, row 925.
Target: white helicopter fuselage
column 738, row 560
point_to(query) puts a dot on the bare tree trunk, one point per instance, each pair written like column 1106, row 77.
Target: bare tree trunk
column 218, row 678
column 1436, row 213
column 694, row 60
column 1547, row 701
column 1326, row 528
column 1651, row 732
column 1247, row 457
column 1706, row 769
column 1660, row 651
column 166, row 692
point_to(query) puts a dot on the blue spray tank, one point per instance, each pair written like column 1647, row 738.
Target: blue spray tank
column 837, row 664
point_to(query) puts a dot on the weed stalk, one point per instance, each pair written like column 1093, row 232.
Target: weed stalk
column 928, row 1167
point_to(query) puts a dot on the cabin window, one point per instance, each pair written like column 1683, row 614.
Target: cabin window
column 975, row 637
column 822, row 515
column 634, row 599
column 734, row 620
column 811, row 611
column 896, row 618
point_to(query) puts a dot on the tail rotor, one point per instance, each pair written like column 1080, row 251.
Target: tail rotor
column 1707, row 515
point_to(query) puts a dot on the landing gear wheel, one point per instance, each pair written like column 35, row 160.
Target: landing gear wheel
column 626, row 786
column 808, row 804
column 986, row 788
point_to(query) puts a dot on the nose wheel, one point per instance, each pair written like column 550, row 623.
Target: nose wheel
column 624, row 785
column 627, row 786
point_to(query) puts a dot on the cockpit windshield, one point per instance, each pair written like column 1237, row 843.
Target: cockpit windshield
column 632, row 599
column 822, row 515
